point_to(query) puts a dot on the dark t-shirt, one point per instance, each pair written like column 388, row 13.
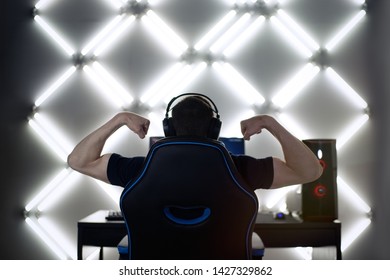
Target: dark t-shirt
column 257, row 173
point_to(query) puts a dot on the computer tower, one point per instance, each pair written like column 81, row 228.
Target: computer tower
column 319, row 198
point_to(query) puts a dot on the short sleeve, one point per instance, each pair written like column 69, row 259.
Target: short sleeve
column 257, row 173
column 121, row 169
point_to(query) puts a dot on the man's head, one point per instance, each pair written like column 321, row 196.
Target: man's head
column 194, row 116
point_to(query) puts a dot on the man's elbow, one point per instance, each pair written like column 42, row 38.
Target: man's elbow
column 314, row 173
column 73, row 162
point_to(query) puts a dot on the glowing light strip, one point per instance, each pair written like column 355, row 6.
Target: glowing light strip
column 358, row 2
column 103, row 87
column 230, row 34
column 244, row 37
column 101, row 34
column 59, row 192
column 48, row 139
column 48, row 189
column 348, row 192
column 351, row 130
column 240, row 85
column 290, row 23
column 52, row 129
column 120, row 29
column 345, row 30
column 292, row 126
column 112, row 192
column 353, row 233
column 61, row 240
column 54, row 35
column 215, row 30
column 42, row 4
column 116, row 4
column 295, row 85
column 195, row 72
column 55, row 86
column 49, row 242
column 346, row 88
column 170, row 85
column 294, row 42
column 159, row 27
column 117, row 88
column 152, row 2
column 161, row 82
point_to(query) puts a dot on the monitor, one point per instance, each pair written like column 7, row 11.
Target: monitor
column 234, row 145
column 154, row 139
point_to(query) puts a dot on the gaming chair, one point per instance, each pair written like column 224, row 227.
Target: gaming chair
column 188, row 202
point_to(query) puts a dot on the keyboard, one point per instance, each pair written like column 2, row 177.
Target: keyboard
column 114, row 215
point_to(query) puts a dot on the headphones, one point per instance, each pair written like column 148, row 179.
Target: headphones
column 215, row 123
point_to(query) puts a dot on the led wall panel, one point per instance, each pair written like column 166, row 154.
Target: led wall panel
column 225, row 39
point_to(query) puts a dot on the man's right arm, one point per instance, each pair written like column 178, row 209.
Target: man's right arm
column 86, row 157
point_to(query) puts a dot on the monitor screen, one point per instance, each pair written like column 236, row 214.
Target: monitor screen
column 234, row 145
column 154, row 139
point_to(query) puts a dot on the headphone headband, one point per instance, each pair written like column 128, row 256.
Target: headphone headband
column 215, row 110
column 215, row 123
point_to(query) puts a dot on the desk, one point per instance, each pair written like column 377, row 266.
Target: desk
column 291, row 232
column 95, row 230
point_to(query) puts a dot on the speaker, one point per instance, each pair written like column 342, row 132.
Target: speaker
column 215, row 122
column 319, row 198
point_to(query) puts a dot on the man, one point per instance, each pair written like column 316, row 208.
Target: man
column 191, row 117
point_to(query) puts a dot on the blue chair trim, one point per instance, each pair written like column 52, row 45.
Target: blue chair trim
column 123, row 250
column 205, row 215
column 257, row 252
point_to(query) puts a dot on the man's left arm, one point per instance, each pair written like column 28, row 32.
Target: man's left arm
column 299, row 166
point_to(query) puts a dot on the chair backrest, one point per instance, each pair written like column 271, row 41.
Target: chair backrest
column 189, row 202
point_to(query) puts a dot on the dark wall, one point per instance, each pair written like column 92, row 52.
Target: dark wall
column 20, row 161
column 379, row 58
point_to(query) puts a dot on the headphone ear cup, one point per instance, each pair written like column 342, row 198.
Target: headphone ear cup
column 214, row 128
column 168, row 127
